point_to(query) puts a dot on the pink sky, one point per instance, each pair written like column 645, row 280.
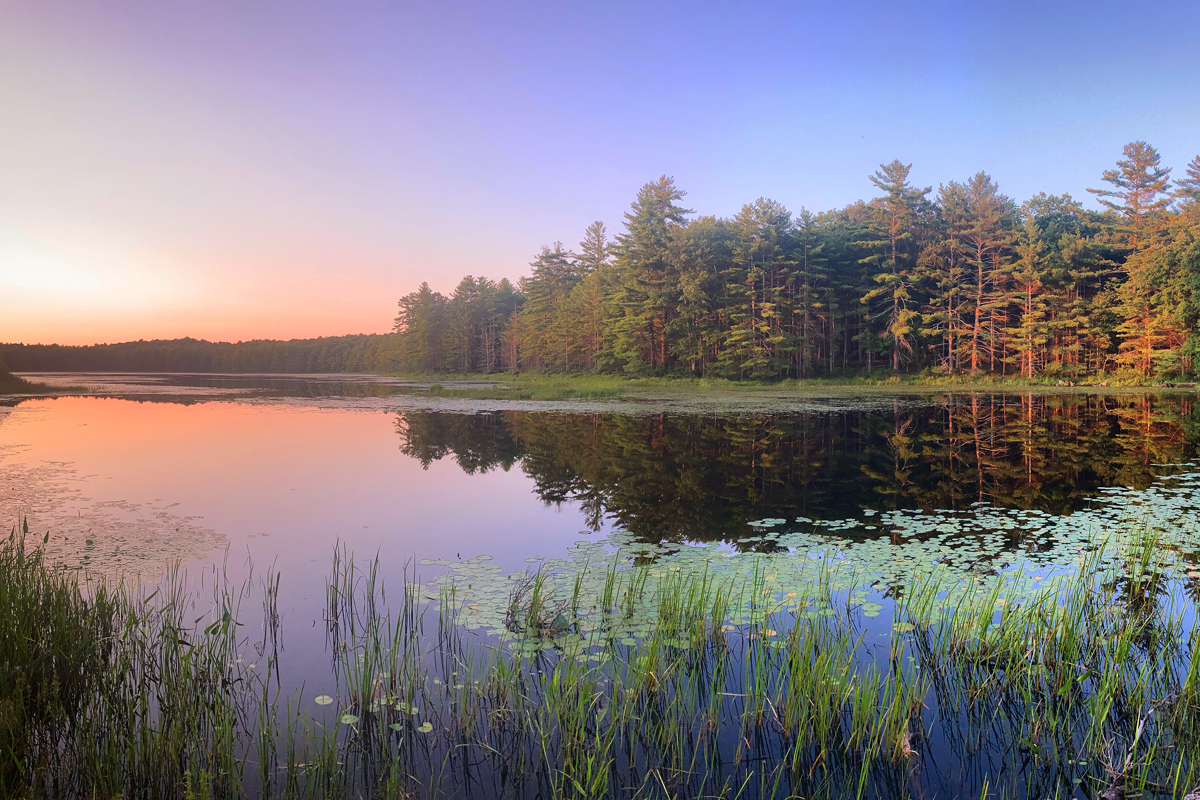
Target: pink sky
column 230, row 170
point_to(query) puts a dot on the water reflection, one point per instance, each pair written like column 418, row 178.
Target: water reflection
column 701, row 477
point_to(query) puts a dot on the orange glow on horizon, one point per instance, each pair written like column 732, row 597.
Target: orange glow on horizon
column 60, row 303
column 167, row 326
column 63, row 293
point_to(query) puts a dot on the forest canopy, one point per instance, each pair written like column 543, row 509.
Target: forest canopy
column 961, row 280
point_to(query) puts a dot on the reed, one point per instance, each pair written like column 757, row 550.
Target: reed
column 1092, row 685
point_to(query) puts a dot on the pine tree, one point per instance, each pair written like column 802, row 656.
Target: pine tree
column 545, row 321
column 808, row 306
column 1140, row 192
column 1187, row 189
column 646, row 296
column 1031, row 334
column 982, row 219
column 758, row 280
column 1149, row 337
column 963, row 283
column 891, row 234
column 586, row 302
column 1077, row 270
column 501, row 302
column 421, row 324
column 466, row 313
column 594, row 250
column 701, row 253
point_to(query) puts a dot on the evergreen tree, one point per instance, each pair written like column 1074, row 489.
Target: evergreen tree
column 421, row 324
column 809, row 304
column 647, row 292
column 758, row 279
column 966, row 282
column 891, row 239
column 981, row 218
column 586, row 302
column 1031, row 334
column 545, row 320
column 701, row 253
column 594, row 250
column 941, row 268
column 1187, row 189
column 1140, row 190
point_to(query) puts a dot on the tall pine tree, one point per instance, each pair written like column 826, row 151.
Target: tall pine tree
column 647, row 290
column 891, row 240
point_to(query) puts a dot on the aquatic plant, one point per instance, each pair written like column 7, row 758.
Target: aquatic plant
column 623, row 671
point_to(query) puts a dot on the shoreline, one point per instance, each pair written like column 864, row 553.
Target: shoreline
column 551, row 387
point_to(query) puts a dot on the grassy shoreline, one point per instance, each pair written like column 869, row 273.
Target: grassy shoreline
column 600, row 387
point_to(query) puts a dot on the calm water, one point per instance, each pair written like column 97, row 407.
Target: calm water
column 274, row 472
column 148, row 468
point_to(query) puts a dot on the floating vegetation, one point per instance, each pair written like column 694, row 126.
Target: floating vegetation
column 109, row 538
column 978, row 549
column 631, row 670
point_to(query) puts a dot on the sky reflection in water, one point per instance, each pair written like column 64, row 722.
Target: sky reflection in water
column 278, row 478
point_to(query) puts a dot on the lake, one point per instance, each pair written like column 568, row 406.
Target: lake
column 235, row 476
column 151, row 468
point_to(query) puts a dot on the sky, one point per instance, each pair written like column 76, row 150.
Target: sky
column 238, row 170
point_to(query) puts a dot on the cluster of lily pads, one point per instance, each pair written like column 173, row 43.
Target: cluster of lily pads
column 864, row 561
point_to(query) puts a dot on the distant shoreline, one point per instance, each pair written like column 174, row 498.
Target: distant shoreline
column 601, row 385
column 595, row 387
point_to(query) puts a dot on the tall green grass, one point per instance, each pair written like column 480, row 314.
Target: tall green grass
column 1088, row 687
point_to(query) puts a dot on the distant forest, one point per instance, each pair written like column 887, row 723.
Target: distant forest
column 964, row 280
column 361, row 353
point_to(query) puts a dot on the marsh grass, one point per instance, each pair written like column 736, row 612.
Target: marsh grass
column 1089, row 686
column 584, row 386
column 561, row 389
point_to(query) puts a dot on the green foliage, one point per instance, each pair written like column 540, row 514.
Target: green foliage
column 639, row 670
column 55, row 645
column 645, row 280
column 1140, row 192
column 970, row 283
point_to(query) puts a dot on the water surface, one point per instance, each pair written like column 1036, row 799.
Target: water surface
column 131, row 473
column 282, row 467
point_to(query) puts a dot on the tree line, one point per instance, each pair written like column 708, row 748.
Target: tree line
column 964, row 280
column 357, row 353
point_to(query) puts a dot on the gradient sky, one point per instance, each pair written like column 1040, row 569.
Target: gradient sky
column 233, row 170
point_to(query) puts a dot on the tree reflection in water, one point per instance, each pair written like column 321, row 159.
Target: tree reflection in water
column 676, row 477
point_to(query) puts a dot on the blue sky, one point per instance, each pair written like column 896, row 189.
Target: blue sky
column 240, row 169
